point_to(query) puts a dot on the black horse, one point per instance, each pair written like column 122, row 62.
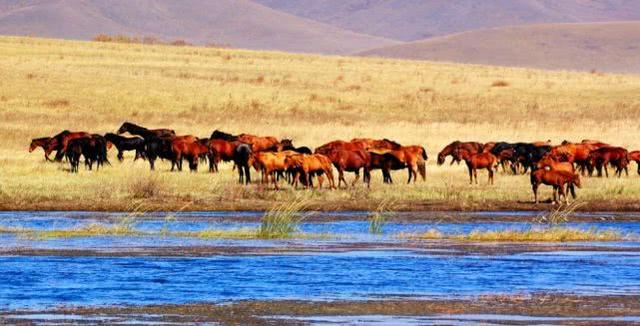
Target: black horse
column 145, row 133
column 124, row 144
column 241, row 156
column 218, row 134
column 94, row 150
column 155, row 148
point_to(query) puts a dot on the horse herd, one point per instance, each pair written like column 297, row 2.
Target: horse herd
column 558, row 166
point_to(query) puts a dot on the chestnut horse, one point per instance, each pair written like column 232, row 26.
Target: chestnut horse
column 548, row 162
column 270, row 164
column 351, row 161
column 412, row 157
column 477, row 161
column 258, row 144
column 386, row 162
column 558, row 180
column 307, row 165
column 184, row 148
column 340, row 145
column 60, row 141
column 471, row 147
column 577, row 154
column 40, row 142
column 222, row 150
column 376, row 144
column 616, row 156
column 635, row 156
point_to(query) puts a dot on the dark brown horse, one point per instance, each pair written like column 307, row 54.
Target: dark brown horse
column 222, row 150
column 618, row 157
column 471, row 147
column 351, row 161
column 145, row 133
column 192, row 151
column 40, row 142
column 60, row 141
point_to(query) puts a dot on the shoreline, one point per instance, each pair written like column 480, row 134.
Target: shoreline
column 594, row 309
column 169, row 205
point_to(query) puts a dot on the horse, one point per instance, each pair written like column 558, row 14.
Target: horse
column 577, row 154
column 635, row 156
column 306, row 165
column 221, row 150
column 145, row 133
column 40, row 142
column 192, row 151
column 258, row 144
column 471, row 147
column 556, row 179
column 385, row 162
column 376, row 144
column 270, row 164
column 616, row 156
column 340, row 145
column 60, row 141
column 155, row 147
column 549, row 163
column 93, row 149
column 477, row 161
column 241, row 158
column 218, row 134
column 351, row 161
column 287, row 145
column 414, row 159
column 124, row 144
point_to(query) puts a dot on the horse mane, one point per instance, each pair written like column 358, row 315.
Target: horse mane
column 393, row 143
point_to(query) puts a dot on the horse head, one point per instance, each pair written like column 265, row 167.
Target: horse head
column 124, row 128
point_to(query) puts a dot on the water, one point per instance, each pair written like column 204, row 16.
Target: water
column 42, row 282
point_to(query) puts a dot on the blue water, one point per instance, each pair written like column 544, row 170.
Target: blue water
column 40, row 282
column 37, row 282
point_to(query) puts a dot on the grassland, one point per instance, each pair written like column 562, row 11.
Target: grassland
column 50, row 85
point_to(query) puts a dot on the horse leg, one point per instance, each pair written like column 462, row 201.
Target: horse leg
column 120, row 156
column 606, row 170
column 357, row 172
column 490, row 175
column 534, row 187
column 470, row 174
column 341, row 178
column 475, row 174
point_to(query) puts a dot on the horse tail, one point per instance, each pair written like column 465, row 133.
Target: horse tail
column 424, row 154
column 422, row 169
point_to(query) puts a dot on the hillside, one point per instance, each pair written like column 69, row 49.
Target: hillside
column 612, row 47
column 411, row 20
column 238, row 23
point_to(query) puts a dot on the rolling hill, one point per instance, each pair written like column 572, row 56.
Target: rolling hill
column 239, row 23
column 612, row 47
column 411, row 20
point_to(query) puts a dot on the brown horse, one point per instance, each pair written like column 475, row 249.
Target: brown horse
column 340, row 145
column 477, row 161
column 558, row 180
column 60, row 141
column 471, row 147
column 549, row 163
column 183, row 148
column 307, row 165
column 618, row 157
column 376, row 144
column 258, row 144
column 271, row 164
column 412, row 157
column 40, row 142
column 635, row 156
column 487, row 147
column 577, row 154
column 351, row 161
column 222, row 150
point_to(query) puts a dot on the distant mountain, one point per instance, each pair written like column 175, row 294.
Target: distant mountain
column 411, row 20
column 613, row 47
column 239, row 23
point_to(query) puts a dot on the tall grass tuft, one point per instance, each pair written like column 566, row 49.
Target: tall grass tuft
column 559, row 215
column 282, row 221
column 145, row 187
column 378, row 218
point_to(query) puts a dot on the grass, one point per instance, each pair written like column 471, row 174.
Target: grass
column 378, row 218
column 552, row 234
column 50, row 85
column 282, row 221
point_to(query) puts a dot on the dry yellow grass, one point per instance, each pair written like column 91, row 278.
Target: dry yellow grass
column 50, row 85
